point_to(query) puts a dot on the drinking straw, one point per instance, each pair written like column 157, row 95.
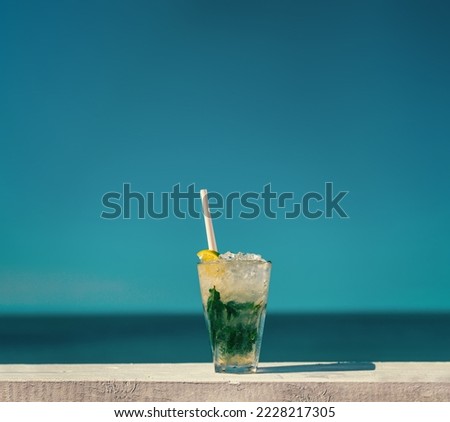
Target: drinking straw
column 208, row 221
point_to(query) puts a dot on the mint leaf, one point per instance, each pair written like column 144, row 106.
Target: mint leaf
column 233, row 325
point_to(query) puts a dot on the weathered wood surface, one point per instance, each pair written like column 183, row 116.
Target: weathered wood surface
column 283, row 382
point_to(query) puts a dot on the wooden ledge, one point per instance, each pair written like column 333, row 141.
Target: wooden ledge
column 283, row 382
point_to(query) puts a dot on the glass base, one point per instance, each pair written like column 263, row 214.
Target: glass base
column 234, row 369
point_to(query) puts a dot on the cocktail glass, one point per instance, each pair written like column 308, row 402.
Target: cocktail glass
column 234, row 295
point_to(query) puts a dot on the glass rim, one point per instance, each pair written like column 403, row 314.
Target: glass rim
column 234, row 261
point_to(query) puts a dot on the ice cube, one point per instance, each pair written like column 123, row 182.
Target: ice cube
column 241, row 256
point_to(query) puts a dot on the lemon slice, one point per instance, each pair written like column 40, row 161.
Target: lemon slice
column 207, row 255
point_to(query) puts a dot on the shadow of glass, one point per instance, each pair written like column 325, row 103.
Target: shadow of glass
column 320, row 367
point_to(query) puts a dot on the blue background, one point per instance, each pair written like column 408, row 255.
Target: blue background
column 229, row 96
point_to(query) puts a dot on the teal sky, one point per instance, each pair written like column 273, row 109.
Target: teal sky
column 230, row 96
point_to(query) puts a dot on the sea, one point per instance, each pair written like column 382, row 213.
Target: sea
column 184, row 338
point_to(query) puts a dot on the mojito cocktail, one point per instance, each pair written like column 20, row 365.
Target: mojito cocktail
column 234, row 290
